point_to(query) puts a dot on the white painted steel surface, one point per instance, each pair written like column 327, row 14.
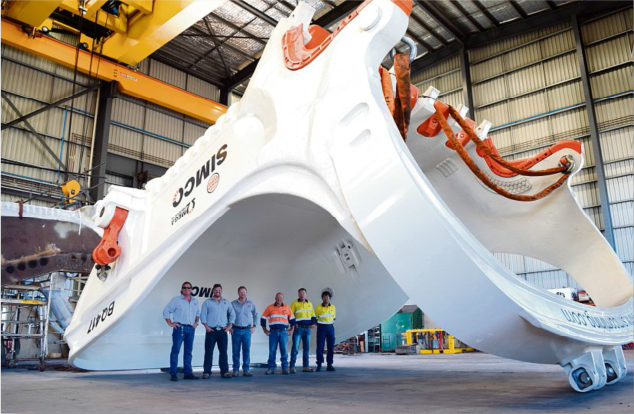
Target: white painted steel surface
column 309, row 161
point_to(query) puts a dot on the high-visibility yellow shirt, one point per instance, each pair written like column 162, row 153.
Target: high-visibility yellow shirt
column 326, row 315
column 303, row 312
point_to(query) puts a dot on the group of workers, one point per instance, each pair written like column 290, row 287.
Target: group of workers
column 238, row 318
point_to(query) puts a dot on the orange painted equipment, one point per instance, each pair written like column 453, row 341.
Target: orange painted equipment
column 430, row 127
column 462, row 135
column 403, row 100
column 129, row 82
column 297, row 54
column 526, row 163
column 563, row 169
column 108, row 250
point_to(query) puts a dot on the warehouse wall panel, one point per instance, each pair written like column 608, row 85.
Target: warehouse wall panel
column 523, row 56
column 63, row 88
column 607, row 26
column 126, row 142
column 612, row 82
column 621, row 188
column 168, row 74
column 561, row 68
column 609, row 53
column 129, row 113
column 529, row 135
column 558, row 44
column 192, row 133
column 479, row 54
column 575, row 120
column 164, row 125
column 565, row 95
column 26, row 82
column 587, row 194
column 160, row 152
column 490, row 91
column 9, row 52
column 117, row 180
column 618, row 144
column 614, row 113
column 513, row 262
column 487, row 69
column 202, row 88
column 497, row 114
column 526, row 80
column 444, row 84
column 624, row 240
column 437, row 69
column 501, row 139
column 528, row 106
column 584, row 176
column 623, row 214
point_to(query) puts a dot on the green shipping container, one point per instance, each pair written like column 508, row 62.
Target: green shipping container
column 409, row 317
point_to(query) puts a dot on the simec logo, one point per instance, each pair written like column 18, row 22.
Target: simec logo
column 203, row 172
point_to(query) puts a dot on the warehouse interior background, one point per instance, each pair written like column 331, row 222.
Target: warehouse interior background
column 539, row 71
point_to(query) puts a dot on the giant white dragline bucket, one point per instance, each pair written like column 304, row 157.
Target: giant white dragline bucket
column 306, row 182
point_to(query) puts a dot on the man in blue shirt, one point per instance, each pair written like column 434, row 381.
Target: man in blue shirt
column 217, row 315
column 243, row 328
column 182, row 314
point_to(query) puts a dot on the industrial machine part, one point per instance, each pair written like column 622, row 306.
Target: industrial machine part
column 310, row 160
column 40, row 240
column 435, row 341
column 71, row 189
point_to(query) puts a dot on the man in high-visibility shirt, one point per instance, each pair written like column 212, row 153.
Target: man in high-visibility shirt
column 326, row 315
column 305, row 321
column 281, row 322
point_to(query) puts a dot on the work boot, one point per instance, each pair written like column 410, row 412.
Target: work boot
column 173, row 378
column 235, row 373
column 269, row 372
column 190, row 377
column 285, row 371
column 318, row 369
column 307, row 369
column 206, row 375
column 292, row 370
column 330, row 368
column 247, row 374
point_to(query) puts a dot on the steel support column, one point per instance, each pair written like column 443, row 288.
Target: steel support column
column 224, row 95
column 107, row 92
column 467, row 90
column 606, row 215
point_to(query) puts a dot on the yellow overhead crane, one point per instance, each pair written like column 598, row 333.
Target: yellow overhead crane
column 141, row 28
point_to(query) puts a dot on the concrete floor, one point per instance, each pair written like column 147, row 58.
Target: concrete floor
column 466, row 383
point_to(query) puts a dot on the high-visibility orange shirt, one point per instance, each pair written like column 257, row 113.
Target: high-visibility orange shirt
column 278, row 317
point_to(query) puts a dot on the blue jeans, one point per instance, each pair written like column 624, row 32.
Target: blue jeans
column 276, row 337
column 211, row 339
column 241, row 339
column 325, row 333
column 180, row 335
column 300, row 334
